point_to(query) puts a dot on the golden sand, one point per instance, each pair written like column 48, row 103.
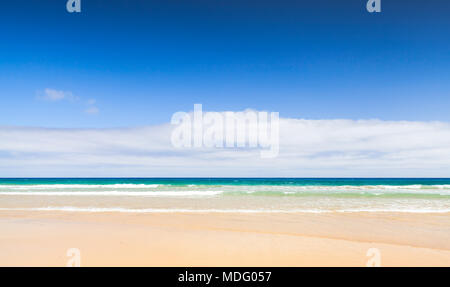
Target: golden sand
column 35, row 238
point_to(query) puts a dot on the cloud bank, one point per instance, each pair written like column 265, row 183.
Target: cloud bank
column 308, row 148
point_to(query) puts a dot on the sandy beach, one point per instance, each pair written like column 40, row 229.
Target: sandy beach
column 42, row 238
column 224, row 134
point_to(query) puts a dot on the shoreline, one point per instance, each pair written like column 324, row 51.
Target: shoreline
column 42, row 238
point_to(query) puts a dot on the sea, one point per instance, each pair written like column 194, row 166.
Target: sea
column 226, row 195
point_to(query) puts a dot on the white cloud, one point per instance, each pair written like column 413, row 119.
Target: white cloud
column 92, row 110
column 52, row 95
column 56, row 95
column 325, row 148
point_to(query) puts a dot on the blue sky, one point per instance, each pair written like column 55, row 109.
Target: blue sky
column 92, row 94
column 141, row 61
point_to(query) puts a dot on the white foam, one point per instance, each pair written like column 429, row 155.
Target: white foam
column 114, row 189
column 180, row 193
column 76, row 186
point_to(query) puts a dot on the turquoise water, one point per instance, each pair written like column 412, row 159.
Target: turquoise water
column 233, row 181
column 227, row 194
column 337, row 187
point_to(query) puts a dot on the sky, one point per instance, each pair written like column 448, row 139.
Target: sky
column 123, row 65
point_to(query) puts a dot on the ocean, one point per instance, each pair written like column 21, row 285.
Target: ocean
column 227, row 195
